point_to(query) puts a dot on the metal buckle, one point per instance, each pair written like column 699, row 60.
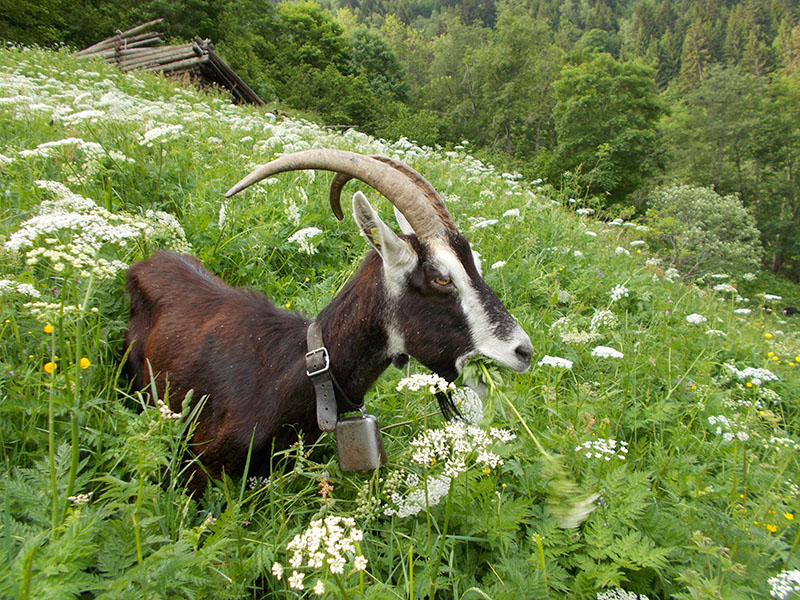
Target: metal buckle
column 311, row 355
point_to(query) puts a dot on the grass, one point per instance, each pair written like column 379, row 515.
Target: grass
column 701, row 503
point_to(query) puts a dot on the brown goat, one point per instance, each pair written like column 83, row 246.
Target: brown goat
column 419, row 294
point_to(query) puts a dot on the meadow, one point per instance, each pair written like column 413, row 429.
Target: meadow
column 650, row 452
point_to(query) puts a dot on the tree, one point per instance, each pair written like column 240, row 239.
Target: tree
column 372, row 57
column 711, row 131
column 702, row 231
column 605, row 121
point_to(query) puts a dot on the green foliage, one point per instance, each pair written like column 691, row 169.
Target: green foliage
column 605, row 121
column 702, row 231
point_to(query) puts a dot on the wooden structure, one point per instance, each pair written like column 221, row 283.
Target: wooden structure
column 138, row 49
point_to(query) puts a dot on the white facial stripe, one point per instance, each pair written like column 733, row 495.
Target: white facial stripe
column 481, row 324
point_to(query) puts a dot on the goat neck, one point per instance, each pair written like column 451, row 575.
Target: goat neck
column 354, row 331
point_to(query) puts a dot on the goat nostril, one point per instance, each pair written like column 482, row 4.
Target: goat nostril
column 525, row 352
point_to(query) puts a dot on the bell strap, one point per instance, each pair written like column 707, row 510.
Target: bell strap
column 318, row 364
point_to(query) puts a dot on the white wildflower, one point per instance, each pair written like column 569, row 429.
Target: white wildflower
column 784, row 584
column 618, row 292
column 319, row 588
column 498, row 264
column 716, row 333
column 296, row 580
column 469, row 405
column 556, row 362
column 729, row 429
column 620, row 594
column 418, row 381
column 303, row 238
column 277, row 570
column 751, row 373
column 725, row 288
column 606, row 352
column 742, row 311
column 695, row 319
column 165, row 411
column 603, row 319
column 604, row 449
column 80, row 499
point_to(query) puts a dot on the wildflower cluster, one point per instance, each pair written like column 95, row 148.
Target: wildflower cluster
column 618, row 292
column 325, row 546
column 780, row 443
column 166, row 413
column 418, row 381
column 72, row 232
column 9, row 286
column 784, row 584
column 604, row 319
column 620, row 594
column 556, row 362
column 469, row 405
column 756, row 376
column 728, row 429
column 606, row 352
column 452, row 450
column 695, row 319
column 303, row 238
column 605, row 449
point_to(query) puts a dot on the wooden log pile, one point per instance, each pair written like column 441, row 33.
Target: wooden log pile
column 138, row 49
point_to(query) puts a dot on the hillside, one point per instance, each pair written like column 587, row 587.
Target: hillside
column 651, row 450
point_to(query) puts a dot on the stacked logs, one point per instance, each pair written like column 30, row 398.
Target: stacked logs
column 137, row 49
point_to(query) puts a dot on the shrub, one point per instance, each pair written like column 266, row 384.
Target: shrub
column 702, row 231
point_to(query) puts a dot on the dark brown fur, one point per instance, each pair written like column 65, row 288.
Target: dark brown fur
column 246, row 355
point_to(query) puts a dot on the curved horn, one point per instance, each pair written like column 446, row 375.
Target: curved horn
column 429, row 218
column 340, row 180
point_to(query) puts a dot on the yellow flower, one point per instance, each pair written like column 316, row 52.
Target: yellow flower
column 749, row 384
column 772, row 528
column 797, row 358
column 50, row 367
column 84, row 363
column 788, row 516
column 775, row 358
column 770, row 354
column 638, row 251
column 48, row 328
column 486, row 470
column 288, row 305
column 768, row 336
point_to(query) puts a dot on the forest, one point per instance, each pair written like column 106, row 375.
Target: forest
column 609, row 101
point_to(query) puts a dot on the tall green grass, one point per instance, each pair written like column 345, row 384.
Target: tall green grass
column 676, row 474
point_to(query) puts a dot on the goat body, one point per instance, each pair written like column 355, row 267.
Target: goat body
column 419, row 294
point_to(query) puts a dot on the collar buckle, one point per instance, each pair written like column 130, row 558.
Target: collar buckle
column 317, row 361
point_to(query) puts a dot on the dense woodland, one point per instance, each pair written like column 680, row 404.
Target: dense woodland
column 607, row 100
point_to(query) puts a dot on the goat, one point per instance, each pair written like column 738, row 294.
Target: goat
column 418, row 294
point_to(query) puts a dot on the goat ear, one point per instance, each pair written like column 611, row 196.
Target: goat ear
column 405, row 226
column 394, row 251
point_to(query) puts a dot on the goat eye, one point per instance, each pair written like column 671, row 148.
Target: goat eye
column 442, row 280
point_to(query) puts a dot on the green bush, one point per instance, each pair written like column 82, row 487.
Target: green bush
column 702, row 231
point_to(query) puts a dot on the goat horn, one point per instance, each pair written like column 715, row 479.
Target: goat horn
column 414, row 197
column 340, row 180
